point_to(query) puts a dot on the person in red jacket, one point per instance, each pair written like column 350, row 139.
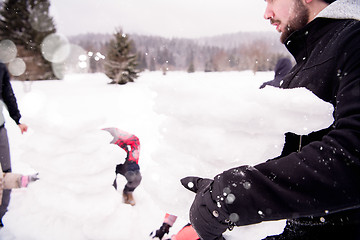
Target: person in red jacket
column 130, row 168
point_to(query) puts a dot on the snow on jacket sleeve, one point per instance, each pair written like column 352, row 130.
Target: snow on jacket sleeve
column 324, row 177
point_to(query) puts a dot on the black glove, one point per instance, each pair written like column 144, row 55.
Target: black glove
column 161, row 231
column 207, row 215
column 33, row 177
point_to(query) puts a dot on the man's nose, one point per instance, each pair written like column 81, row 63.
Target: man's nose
column 268, row 14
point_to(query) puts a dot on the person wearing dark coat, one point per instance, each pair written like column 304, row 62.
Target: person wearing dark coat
column 7, row 99
column 315, row 183
column 282, row 67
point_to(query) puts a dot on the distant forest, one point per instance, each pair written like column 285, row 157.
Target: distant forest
column 32, row 33
column 256, row 51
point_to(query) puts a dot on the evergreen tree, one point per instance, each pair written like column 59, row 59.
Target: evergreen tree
column 142, row 61
column 27, row 23
column 191, row 68
column 121, row 63
column 152, row 64
column 13, row 17
column 190, row 60
column 164, row 56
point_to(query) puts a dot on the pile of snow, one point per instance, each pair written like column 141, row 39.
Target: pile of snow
column 196, row 124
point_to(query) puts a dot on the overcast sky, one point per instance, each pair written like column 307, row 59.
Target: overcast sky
column 167, row 18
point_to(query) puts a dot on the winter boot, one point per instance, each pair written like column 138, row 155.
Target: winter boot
column 128, row 198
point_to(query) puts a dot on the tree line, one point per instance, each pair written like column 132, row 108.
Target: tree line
column 257, row 51
column 28, row 26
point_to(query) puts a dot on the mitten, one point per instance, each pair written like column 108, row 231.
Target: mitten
column 207, row 216
column 25, row 180
column 164, row 229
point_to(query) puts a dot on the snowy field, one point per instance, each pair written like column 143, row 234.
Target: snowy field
column 197, row 124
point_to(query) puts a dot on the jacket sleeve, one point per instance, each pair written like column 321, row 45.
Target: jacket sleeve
column 11, row 180
column 323, row 178
column 8, row 96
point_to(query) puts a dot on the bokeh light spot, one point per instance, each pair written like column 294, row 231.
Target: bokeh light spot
column 55, row 48
column 17, row 67
column 8, row 51
column 72, row 64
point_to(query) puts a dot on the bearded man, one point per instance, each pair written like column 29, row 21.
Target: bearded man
column 315, row 183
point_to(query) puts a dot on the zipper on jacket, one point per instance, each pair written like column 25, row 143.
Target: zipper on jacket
column 300, row 142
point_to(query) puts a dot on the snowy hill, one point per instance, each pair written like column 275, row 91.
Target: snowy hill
column 188, row 124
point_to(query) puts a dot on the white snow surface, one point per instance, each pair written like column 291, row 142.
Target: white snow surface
column 197, row 124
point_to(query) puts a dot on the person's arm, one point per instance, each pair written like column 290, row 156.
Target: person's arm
column 11, row 180
column 8, row 96
column 14, row 180
column 168, row 222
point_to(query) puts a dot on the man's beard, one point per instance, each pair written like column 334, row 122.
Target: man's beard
column 300, row 19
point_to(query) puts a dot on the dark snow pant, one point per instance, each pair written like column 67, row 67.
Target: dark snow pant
column 131, row 171
column 341, row 227
column 6, row 167
column 4, row 202
column 133, row 180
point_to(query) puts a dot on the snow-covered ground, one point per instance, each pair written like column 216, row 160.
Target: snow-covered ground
column 195, row 124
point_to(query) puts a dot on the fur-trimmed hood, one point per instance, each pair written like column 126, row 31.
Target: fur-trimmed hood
column 342, row 9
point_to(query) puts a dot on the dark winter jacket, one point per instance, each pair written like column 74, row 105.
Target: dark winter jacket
column 282, row 67
column 322, row 179
column 7, row 96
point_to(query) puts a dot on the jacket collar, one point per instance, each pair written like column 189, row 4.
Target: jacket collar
column 340, row 9
column 301, row 43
